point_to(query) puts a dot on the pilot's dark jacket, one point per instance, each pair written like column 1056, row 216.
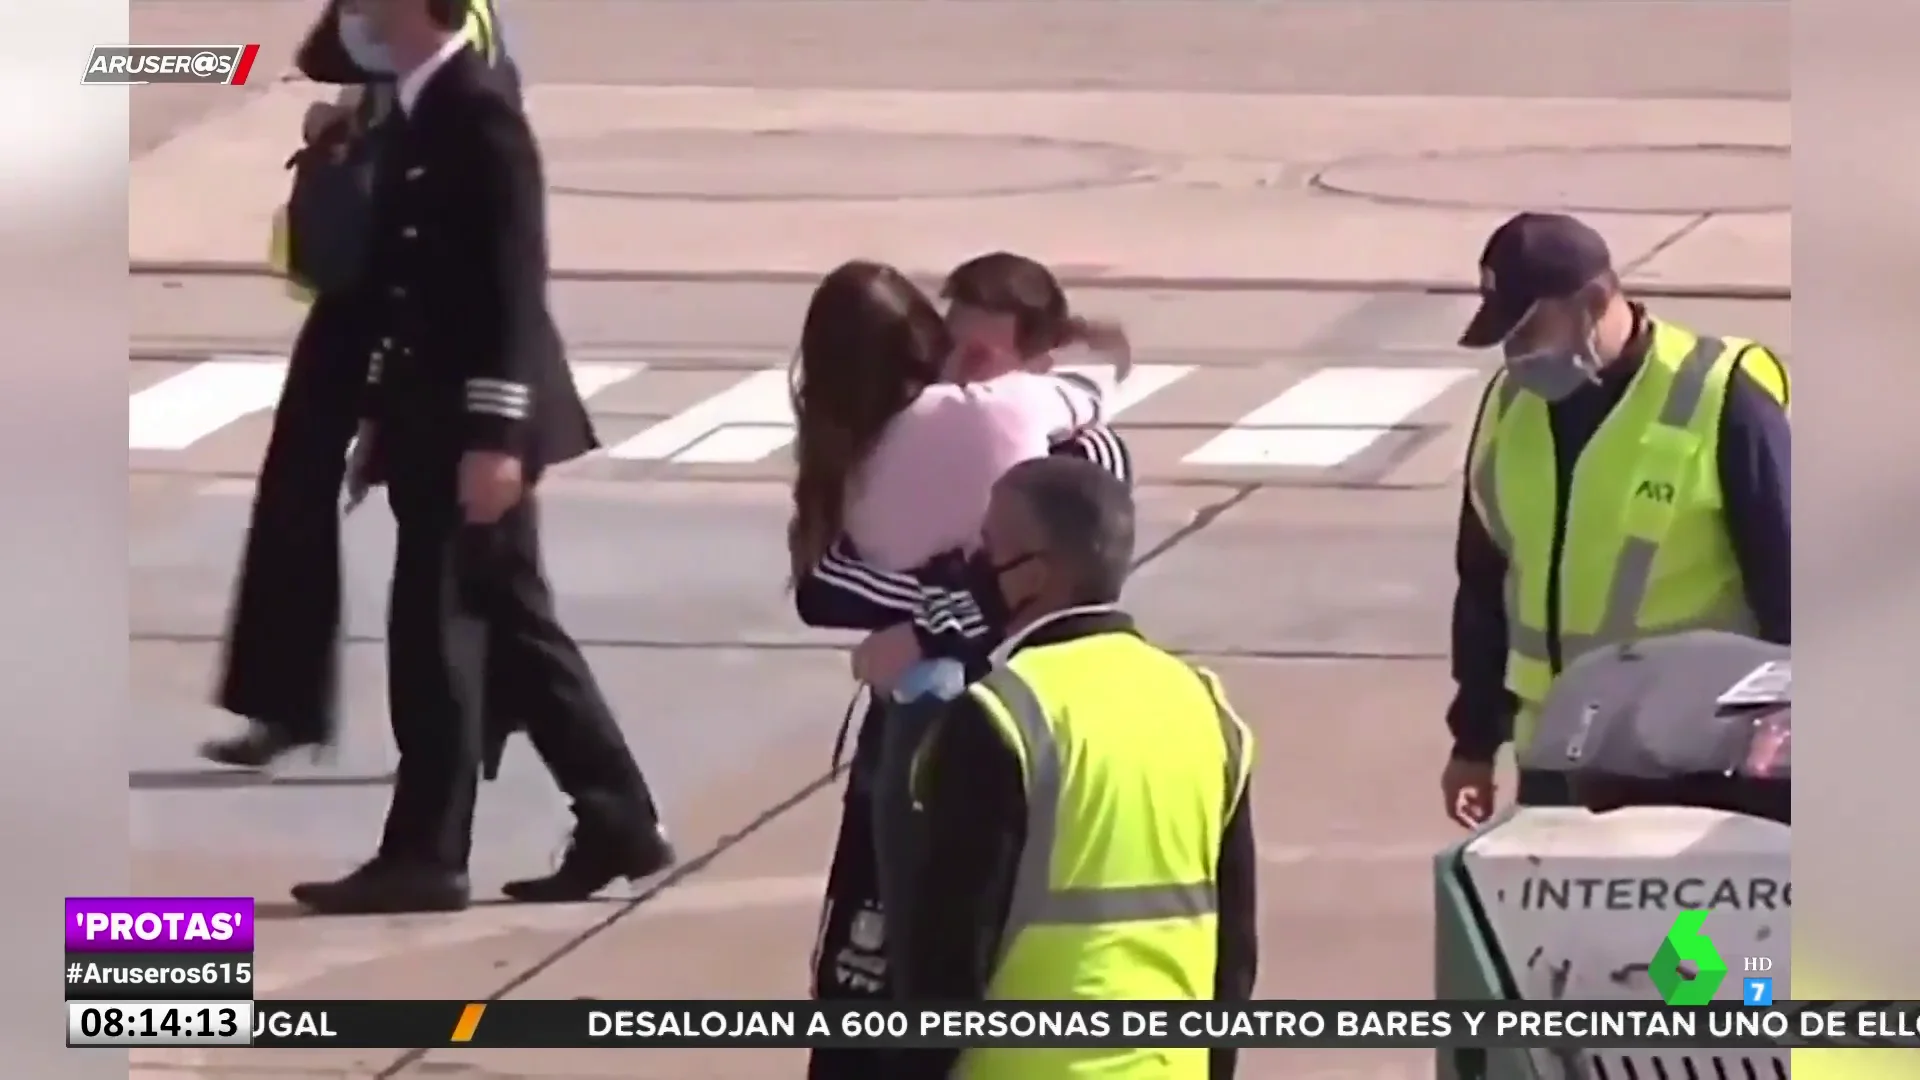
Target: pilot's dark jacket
column 464, row 341
column 281, row 659
column 466, row 359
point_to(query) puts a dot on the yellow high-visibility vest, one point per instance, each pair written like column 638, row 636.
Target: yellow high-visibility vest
column 1133, row 763
column 1646, row 550
column 482, row 30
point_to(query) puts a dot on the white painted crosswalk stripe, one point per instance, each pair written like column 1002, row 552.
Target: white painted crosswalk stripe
column 590, row 379
column 1185, row 418
column 752, row 420
column 183, row 409
column 1328, row 418
column 1141, row 383
column 759, row 401
column 180, row 411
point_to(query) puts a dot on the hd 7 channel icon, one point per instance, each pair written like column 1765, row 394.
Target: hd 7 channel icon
column 1688, row 970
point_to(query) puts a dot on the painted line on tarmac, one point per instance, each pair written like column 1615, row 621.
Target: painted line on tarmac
column 716, row 897
column 335, row 946
column 1351, row 853
column 344, row 945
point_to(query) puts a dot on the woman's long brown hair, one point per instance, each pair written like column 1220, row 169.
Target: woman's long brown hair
column 871, row 342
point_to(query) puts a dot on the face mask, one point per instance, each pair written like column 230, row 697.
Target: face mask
column 1555, row 374
column 363, row 48
column 983, row 581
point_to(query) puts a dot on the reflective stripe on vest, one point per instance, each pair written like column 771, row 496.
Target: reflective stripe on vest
column 1035, row 902
column 1633, row 567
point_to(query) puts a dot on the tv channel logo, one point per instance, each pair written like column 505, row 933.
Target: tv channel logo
column 1756, row 992
column 1685, row 943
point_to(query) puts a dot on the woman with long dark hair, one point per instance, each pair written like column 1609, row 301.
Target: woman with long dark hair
column 280, row 666
column 1006, row 313
column 895, row 464
column 888, row 450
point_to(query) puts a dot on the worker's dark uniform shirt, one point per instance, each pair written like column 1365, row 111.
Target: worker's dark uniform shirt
column 1756, row 456
column 974, row 796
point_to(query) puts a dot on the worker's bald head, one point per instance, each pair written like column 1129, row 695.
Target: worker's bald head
column 1060, row 532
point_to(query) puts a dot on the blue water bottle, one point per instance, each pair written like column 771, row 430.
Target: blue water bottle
column 917, row 702
column 942, row 680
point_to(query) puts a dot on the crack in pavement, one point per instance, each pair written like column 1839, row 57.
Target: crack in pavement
column 676, row 876
column 582, row 486
column 1277, row 654
column 692, row 868
column 1201, row 519
column 477, row 1072
column 298, row 1072
column 215, row 779
column 1654, row 290
column 1687, row 228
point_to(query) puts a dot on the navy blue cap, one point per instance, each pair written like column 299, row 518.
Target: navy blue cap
column 1532, row 257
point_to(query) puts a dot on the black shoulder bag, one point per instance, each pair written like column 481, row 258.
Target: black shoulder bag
column 329, row 211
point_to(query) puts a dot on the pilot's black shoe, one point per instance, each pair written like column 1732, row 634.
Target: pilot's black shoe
column 387, row 887
column 594, row 860
column 255, row 748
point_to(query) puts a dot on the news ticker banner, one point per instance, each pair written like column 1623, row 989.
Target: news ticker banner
column 165, row 948
column 1590, row 1025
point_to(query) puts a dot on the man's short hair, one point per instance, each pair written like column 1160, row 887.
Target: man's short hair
column 1085, row 517
column 1007, row 284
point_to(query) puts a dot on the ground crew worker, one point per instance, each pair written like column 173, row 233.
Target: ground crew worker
column 1626, row 478
column 1129, row 875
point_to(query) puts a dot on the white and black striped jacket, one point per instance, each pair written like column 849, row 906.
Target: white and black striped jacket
column 845, row 592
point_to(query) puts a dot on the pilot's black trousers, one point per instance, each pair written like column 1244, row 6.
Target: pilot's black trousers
column 459, row 591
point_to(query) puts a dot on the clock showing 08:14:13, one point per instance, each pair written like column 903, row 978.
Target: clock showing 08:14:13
column 159, row 1023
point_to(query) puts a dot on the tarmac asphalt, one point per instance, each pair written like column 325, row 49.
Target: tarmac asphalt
column 1320, row 597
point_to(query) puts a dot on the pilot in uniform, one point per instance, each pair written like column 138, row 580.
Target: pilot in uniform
column 280, row 662
column 468, row 399
column 1695, row 719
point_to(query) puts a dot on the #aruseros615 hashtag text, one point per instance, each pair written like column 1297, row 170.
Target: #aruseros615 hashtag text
column 104, row 976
